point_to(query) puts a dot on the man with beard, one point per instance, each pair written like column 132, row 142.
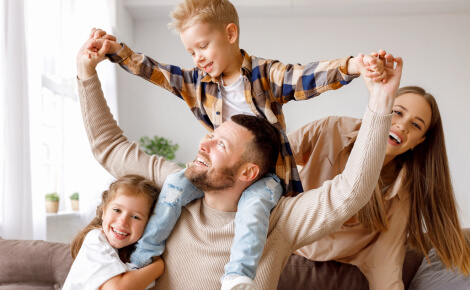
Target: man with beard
column 199, row 245
column 215, row 171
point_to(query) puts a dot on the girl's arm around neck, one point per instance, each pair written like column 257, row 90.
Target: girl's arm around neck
column 138, row 279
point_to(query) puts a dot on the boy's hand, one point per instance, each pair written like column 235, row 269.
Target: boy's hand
column 374, row 66
column 100, row 34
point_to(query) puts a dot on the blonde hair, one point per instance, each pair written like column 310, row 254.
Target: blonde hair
column 433, row 221
column 217, row 12
column 138, row 186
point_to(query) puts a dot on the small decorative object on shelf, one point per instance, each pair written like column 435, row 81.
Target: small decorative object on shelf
column 52, row 202
column 74, row 199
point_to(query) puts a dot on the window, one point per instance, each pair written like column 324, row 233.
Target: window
column 59, row 125
column 61, row 159
column 47, row 37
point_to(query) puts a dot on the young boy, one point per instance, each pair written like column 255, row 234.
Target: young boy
column 225, row 82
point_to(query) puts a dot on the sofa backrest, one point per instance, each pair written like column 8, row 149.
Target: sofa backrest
column 33, row 265
column 27, row 264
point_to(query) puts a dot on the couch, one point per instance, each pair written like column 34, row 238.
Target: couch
column 26, row 264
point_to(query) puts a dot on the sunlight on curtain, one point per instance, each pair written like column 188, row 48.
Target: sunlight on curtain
column 2, row 104
column 61, row 159
column 16, row 189
column 43, row 145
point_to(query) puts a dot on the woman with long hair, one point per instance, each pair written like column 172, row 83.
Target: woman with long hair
column 413, row 202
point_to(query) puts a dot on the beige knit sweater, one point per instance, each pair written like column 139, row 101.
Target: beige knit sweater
column 199, row 245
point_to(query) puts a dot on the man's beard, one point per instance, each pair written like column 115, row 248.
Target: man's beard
column 214, row 180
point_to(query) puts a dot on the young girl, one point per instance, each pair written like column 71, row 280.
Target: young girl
column 102, row 248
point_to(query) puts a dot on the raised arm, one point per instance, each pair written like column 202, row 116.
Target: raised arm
column 319, row 212
column 178, row 81
column 108, row 144
column 301, row 82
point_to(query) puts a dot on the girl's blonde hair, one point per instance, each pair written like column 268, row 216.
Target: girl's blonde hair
column 217, row 12
column 137, row 186
column 433, row 221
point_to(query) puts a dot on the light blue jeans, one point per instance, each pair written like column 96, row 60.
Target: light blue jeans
column 251, row 222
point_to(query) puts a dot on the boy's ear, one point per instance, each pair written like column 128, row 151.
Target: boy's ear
column 232, row 33
column 249, row 172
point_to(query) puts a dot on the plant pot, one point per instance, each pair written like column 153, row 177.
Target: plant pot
column 52, row 206
column 75, row 204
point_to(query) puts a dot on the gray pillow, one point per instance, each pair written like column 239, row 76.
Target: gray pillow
column 434, row 276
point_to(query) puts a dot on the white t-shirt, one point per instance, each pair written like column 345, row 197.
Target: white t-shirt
column 234, row 100
column 96, row 262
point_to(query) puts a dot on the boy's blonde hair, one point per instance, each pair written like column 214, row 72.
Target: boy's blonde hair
column 189, row 12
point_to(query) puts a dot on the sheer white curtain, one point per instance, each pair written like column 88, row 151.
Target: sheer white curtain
column 34, row 43
column 16, row 212
column 94, row 179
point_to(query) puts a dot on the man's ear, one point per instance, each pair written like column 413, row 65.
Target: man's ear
column 232, row 33
column 249, row 172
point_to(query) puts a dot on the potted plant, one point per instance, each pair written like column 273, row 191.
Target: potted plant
column 52, row 202
column 159, row 146
column 74, row 199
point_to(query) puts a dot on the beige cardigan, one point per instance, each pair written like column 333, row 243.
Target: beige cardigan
column 199, row 245
column 322, row 148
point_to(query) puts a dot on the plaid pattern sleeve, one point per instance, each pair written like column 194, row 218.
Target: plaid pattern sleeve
column 274, row 84
column 301, row 82
column 186, row 84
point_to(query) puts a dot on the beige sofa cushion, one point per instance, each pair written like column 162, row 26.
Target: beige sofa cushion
column 27, row 264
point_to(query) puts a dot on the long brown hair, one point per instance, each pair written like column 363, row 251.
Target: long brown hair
column 139, row 186
column 433, row 220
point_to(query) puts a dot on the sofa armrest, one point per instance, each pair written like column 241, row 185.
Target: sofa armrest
column 33, row 264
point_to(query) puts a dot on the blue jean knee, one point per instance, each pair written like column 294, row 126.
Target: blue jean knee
column 177, row 191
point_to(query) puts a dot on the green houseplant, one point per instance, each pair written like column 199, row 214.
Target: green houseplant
column 52, row 202
column 74, row 199
column 160, row 146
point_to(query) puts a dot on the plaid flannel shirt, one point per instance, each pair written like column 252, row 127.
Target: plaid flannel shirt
column 268, row 85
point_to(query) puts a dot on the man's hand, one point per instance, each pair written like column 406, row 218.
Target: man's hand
column 86, row 62
column 382, row 94
column 97, row 33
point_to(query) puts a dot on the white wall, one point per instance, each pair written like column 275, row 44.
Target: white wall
column 434, row 48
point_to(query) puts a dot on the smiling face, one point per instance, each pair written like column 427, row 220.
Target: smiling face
column 410, row 122
column 212, row 48
column 220, row 157
column 124, row 218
